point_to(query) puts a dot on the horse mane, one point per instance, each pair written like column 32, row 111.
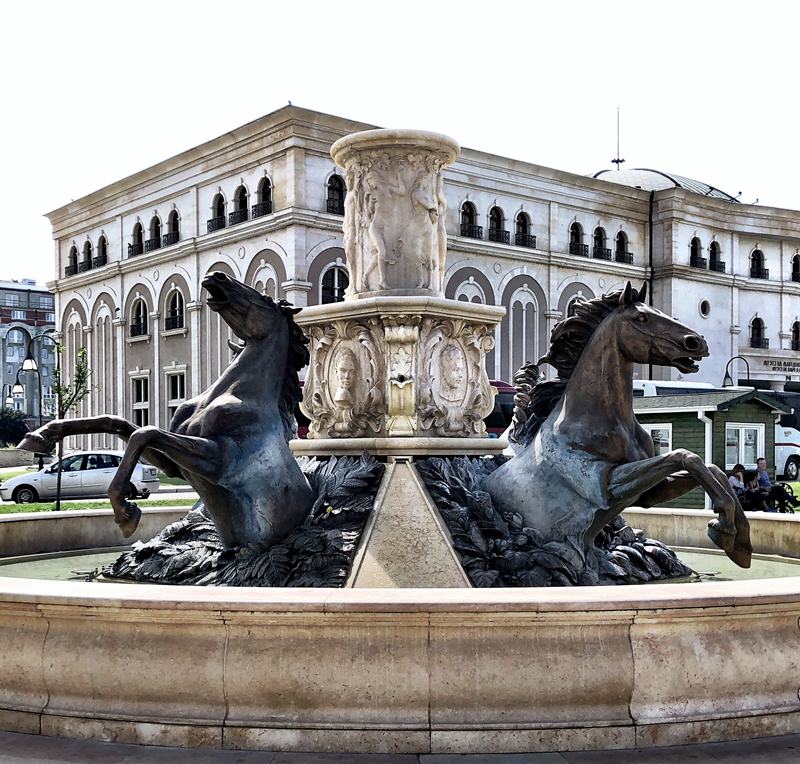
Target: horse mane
column 535, row 398
column 297, row 357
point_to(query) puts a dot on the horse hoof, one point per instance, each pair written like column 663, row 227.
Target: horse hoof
column 131, row 523
column 35, row 443
column 724, row 541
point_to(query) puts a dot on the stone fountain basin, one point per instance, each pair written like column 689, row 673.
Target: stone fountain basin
column 406, row 670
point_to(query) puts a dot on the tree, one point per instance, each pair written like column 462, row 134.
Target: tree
column 12, row 427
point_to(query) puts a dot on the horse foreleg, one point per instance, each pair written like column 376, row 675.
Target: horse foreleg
column 199, row 456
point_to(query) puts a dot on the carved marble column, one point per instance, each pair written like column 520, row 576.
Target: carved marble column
column 396, row 362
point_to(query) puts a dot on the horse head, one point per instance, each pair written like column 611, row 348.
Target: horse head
column 252, row 316
column 647, row 335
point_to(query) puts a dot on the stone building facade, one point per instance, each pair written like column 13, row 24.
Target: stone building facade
column 264, row 203
column 27, row 311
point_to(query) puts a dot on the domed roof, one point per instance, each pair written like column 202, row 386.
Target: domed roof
column 655, row 180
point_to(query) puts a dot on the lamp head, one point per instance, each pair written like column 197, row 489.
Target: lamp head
column 17, row 389
column 29, row 364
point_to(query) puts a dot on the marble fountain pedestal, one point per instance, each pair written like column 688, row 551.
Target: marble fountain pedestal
column 397, row 369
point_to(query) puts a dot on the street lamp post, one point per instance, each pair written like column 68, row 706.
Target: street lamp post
column 728, row 380
column 28, row 365
column 8, row 401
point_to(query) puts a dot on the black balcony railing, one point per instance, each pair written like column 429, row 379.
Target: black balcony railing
column 601, row 253
column 576, row 248
column 152, row 244
column 99, row 261
column 261, row 209
column 525, row 240
column 624, row 257
column 173, row 321
column 237, row 216
column 70, row 270
column 759, row 273
column 84, row 265
column 472, row 231
column 135, row 249
column 168, row 239
column 335, row 206
column 698, row 262
column 795, row 344
column 717, row 265
column 499, row 235
column 215, row 224
column 138, row 329
column 759, row 342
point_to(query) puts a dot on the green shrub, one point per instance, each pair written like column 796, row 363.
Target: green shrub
column 12, row 427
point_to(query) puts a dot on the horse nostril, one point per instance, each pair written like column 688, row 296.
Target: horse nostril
column 219, row 276
column 692, row 342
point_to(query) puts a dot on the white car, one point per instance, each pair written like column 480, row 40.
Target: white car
column 84, row 474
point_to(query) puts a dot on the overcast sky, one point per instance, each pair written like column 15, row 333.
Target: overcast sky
column 95, row 91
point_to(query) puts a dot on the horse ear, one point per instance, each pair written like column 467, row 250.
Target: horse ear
column 626, row 296
column 643, row 292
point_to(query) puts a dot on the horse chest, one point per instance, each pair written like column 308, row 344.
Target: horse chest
column 221, row 416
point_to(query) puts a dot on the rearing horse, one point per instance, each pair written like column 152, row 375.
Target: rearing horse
column 585, row 456
column 231, row 442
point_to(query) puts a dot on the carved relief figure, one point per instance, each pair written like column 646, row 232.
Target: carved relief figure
column 345, row 369
column 452, row 374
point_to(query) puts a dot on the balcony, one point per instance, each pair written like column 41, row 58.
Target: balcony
column 795, row 344
column 173, row 321
column 84, row 265
column 624, row 257
column 99, row 261
column 759, row 342
column 717, row 265
column 759, row 273
column 237, row 216
column 601, row 253
column 152, row 244
column 168, row 239
column 215, row 224
column 472, row 231
column 135, row 249
column 499, row 235
column 576, row 248
column 261, row 209
column 138, row 329
column 525, row 240
column 335, row 206
column 698, row 262
column 70, row 270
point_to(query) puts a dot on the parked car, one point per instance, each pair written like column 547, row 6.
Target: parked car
column 85, row 474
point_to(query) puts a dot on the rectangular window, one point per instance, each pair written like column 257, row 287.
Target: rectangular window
column 12, row 299
column 141, row 401
column 51, row 317
column 662, row 437
column 176, row 391
column 744, row 443
column 18, row 315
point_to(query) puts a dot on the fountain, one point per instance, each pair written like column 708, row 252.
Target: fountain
column 429, row 595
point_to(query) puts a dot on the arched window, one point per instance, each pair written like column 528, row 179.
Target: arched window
column 217, row 220
column 173, row 318
column 469, row 216
column 715, row 257
column 757, row 262
column 72, row 262
column 264, row 204
column 102, row 252
column 696, row 260
column 16, row 342
column 241, row 206
column 173, row 234
column 796, row 335
column 757, row 338
column 154, row 242
column 138, row 326
column 621, row 254
column 334, row 281
column 86, row 261
column 599, row 249
column 523, row 328
column 576, row 245
column 796, row 268
column 136, row 247
column 522, row 232
column 470, row 291
column 336, row 191
column 496, row 222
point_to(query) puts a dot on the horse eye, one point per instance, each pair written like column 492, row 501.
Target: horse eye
column 642, row 318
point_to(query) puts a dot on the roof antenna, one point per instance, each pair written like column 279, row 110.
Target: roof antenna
column 617, row 161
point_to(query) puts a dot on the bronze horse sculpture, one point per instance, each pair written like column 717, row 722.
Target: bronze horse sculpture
column 230, row 442
column 583, row 457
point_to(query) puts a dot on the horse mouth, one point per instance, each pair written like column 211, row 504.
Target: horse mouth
column 687, row 364
column 217, row 295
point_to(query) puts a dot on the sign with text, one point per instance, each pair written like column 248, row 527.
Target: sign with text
column 783, row 365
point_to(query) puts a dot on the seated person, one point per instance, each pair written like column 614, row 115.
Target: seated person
column 747, row 489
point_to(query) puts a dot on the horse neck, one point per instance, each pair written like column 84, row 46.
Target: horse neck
column 257, row 372
column 600, row 390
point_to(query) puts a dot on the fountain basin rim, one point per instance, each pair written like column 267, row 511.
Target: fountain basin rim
column 389, row 138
